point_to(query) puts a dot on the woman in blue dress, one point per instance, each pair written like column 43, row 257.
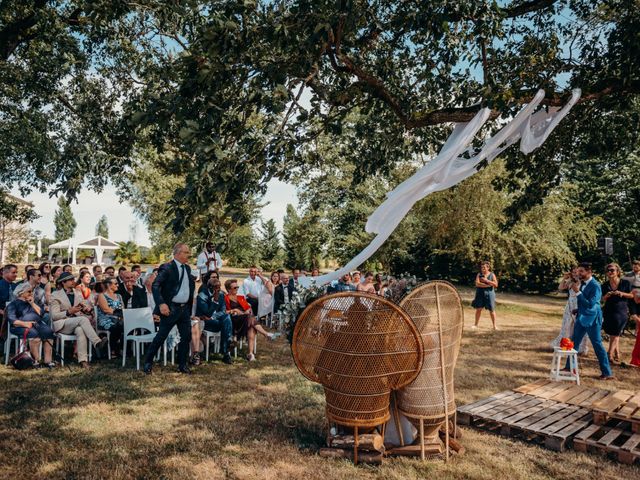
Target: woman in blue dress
column 486, row 283
column 110, row 314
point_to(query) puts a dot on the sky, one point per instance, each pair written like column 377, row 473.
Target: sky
column 120, row 216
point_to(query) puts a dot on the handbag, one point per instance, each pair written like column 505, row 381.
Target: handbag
column 23, row 360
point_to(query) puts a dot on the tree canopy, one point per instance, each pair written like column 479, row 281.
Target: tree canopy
column 223, row 96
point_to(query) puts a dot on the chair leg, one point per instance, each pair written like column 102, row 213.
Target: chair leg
column 164, row 354
column 137, row 355
column 124, row 351
column 61, row 349
column 206, row 348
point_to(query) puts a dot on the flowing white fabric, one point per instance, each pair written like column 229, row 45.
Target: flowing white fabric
column 456, row 161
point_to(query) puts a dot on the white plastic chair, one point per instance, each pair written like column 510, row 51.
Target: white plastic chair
column 137, row 318
column 66, row 337
column 99, row 331
column 208, row 336
column 173, row 331
column 7, row 345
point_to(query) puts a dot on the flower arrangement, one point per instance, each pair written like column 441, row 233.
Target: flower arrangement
column 398, row 287
column 566, row 344
column 299, row 300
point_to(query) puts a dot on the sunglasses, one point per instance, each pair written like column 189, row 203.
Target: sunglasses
column 611, row 270
column 234, row 288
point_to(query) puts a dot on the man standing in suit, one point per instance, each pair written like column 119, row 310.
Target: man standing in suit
column 589, row 318
column 173, row 291
column 133, row 296
column 282, row 293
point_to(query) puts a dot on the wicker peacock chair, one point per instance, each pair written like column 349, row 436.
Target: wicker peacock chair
column 428, row 401
column 359, row 347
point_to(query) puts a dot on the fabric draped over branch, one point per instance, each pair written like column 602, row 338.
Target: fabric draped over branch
column 456, row 161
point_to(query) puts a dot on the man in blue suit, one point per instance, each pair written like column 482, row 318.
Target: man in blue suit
column 589, row 318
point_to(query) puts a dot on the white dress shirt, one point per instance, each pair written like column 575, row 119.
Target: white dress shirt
column 583, row 286
column 215, row 262
column 183, row 292
column 252, row 287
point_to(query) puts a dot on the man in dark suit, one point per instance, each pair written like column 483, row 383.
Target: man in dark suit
column 282, row 293
column 133, row 296
column 173, row 291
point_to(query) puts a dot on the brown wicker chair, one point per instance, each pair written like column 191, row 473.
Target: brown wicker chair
column 428, row 402
column 359, row 347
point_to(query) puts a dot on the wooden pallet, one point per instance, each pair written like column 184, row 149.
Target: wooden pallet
column 533, row 418
column 614, row 439
column 564, row 392
column 629, row 412
column 605, row 408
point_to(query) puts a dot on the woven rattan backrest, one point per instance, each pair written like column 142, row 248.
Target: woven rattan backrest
column 436, row 309
column 359, row 347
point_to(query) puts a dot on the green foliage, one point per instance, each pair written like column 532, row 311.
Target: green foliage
column 303, row 239
column 269, row 245
column 64, row 221
column 127, row 253
column 242, row 248
column 102, row 227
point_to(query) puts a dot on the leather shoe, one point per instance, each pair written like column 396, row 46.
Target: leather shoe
column 147, row 368
column 227, row 359
column 184, row 369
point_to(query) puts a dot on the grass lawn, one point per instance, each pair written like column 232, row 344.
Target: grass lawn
column 265, row 421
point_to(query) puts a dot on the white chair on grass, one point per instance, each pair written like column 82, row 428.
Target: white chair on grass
column 67, row 337
column 137, row 319
column 165, row 348
column 106, row 332
column 7, row 345
column 208, row 336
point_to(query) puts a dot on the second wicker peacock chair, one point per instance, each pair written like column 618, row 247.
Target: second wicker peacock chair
column 428, row 401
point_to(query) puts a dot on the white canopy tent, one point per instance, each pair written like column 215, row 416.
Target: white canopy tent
column 71, row 245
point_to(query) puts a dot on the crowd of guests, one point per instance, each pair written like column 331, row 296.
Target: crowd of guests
column 619, row 299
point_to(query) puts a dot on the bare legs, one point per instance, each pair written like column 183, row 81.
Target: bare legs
column 614, row 348
column 492, row 313
column 34, row 348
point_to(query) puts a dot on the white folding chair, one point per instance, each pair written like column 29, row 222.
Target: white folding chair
column 208, row 336
column 134, row 319
column 66, row 337
column 7, row 345
column 106, row 332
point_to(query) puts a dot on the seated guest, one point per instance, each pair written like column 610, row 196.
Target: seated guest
column 315, row 272
column 69, row 316
column 45, row 281
column 342, row 285
column 252, row 288
column 295, row 275
column 121, row 271
column 7, row 285
column 282, row 293
column 378, row 283
column 148, row 287
column 266, row 301
column 25, row 278
column 367, row 286
column 355, row 278
column 25, row 314
column 38, row 292
column 110, row 306
column 97, row 274
column 136, row 270
column 56, row 271
column 132, row 294
column 211, row 308
column 109, row 272
column 83, row 289
column 242, row 318
column 67, row 268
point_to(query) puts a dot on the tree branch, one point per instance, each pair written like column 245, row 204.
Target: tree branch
column 526, row 7
column 14, row 33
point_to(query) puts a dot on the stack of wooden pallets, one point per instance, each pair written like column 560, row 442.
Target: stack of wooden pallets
column 561, row 415
column 616, row 427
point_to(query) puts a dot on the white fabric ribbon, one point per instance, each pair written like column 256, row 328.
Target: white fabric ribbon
column 455, row 162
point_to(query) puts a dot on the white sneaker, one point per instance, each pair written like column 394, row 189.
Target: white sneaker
column 251, row 357
column 474, row 327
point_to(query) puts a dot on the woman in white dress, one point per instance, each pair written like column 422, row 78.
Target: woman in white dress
column 265, row 301
column 570, row 310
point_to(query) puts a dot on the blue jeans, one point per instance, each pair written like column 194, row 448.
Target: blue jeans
column 222, row 324
column 593, row 330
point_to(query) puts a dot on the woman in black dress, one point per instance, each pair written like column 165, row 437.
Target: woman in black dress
column 616, row 293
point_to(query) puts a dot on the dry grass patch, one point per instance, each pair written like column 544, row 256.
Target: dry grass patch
column 265, row 421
